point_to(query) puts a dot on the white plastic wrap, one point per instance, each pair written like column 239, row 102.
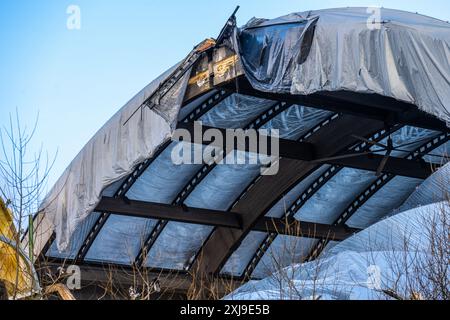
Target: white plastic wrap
column 360, row 267
column 326, row 205
column 344, row 270
column 434, row 189
column 163, row 180
column 118, row 147
column 236, row 112
column 384, row 202
column 120, row 240
column 395, row 54
column 296, row 121
column 283, row 252
column 280, row 208
column 76, row 239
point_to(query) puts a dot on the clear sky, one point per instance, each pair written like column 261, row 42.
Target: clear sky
column 77, row 79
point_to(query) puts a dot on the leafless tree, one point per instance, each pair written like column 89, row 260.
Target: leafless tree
column 421, row 271
column 24, row 172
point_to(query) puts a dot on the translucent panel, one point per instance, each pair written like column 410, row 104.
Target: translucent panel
column 328, row 248
column 236, row 111
column 163, row 180
column 434, row 189
column 408, row 139
column 440, row 156
column 223, row 185
column 189, row 108
column 280, row 208
column 120, row 240
column 179, row 243
column 77, row 240
column 389, row 198
column 241, row 257
column 111, row 190
column 297, row 121
column 239, row 260
column 333, row 198
column 283, row 252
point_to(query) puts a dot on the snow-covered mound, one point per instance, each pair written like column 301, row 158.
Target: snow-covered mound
column 404, row 256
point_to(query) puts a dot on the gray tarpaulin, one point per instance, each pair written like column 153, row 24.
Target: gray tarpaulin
column 124, row 142
column 397, row 54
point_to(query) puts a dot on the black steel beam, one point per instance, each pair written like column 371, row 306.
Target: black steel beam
column 304, row 151
column 117, row 276
column 396, row 166
column 288, row 148
column 302, row 229
column 149, row 210
column 216, row 218
column 368, row 106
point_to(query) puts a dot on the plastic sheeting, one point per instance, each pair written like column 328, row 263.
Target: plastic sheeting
column 358, row 268
column 440, row 156
column 344, row 269
column 408, row 139
column 283, row 252
column 335, row 196
column 76, row 240
column 389, row 198
column 396, row 54
column 236, row 111
column 239, row 260
column 120, row 145
column 120, row 240
column 280, row 208
column 296, row 121
column 332, row 199
column 434, row 189
column 405, row 57
column 163, row 180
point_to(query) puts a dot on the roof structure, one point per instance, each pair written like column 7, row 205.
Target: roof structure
column 230, row 220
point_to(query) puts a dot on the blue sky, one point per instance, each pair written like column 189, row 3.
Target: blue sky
column 77, row 79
